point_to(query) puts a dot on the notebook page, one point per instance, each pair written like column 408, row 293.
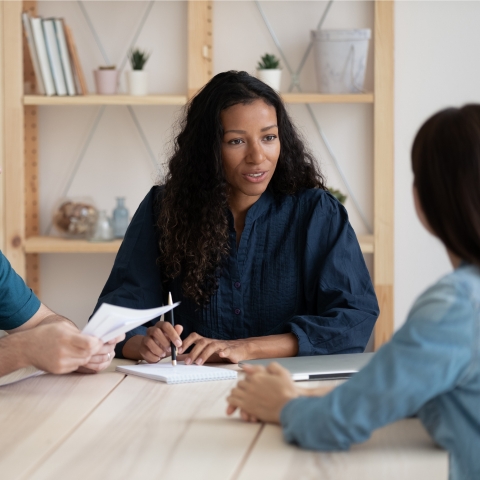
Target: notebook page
column 181, row 373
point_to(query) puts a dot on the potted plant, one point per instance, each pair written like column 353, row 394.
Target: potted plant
column 137, row 79
column 341, row 197
column 269, row 71
column 106, row 80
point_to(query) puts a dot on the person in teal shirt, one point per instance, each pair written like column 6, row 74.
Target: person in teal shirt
column 39, row 337
column 431, row 367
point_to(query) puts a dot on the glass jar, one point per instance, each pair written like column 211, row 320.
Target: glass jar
column 75, row 217
column 103, row 229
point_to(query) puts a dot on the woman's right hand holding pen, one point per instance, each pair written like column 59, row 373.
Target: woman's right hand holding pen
column 155, row 344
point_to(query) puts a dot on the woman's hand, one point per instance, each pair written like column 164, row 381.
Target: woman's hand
column 206, row 349
column 263, row 393
column 156, row 343
column 102, row 358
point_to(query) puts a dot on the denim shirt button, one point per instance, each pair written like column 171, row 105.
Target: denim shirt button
column 237, row 311
column 237, row 284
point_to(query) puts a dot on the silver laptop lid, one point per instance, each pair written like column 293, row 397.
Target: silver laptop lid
column 319, row 367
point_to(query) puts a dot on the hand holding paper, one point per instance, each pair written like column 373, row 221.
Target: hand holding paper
column 110, row 321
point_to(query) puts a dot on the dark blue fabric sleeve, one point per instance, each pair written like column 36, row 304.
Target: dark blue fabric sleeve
column 341, row 301
column 135, row 279
column 18, row 303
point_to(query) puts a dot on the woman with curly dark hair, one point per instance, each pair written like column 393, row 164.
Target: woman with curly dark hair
column 245, row 235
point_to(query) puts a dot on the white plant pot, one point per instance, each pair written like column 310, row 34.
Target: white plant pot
column 271, row 76
column 137, row 82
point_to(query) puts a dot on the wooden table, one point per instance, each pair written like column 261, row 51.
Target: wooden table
column 112, row 426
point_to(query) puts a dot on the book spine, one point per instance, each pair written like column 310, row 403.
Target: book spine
column 33, row 53
column 41, row 49
column 80, row 77
column 54, row 57
column 65, row 58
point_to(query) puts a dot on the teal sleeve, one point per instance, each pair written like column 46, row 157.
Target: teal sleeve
column 425, row 358
column 18, row 303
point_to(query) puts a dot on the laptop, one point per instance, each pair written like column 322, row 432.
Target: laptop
column 319, row 367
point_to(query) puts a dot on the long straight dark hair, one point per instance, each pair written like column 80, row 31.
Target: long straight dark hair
column 446, row 166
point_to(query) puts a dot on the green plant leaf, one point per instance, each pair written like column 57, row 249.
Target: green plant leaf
column 268, row 61
column 138, row 58
column 341, row 197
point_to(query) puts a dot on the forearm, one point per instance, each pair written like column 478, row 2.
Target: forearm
column 55, row 318
column 131, row 348
column 12, row 348
column 273, row 346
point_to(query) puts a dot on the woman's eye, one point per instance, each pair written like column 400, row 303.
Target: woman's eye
column 269, row 138
column 236, row 141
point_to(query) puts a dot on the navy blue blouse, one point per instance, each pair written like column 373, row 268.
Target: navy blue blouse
column 298, row 268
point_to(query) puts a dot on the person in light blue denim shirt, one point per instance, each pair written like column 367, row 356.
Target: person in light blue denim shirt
column 431, row 367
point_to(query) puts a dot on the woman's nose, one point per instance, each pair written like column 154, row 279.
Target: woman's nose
column 255, row 154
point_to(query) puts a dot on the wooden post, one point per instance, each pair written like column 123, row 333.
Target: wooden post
column 13, row 134
column 31, row 162
column 200, row 45
column 383, row 168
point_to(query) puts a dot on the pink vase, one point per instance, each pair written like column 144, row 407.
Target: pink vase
column 106, row 81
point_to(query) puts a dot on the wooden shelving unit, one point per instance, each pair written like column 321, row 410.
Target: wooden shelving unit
column 106, row 100
column 46, row 244
column 67, row 245
column 154, row 100
column 19, row 207
column 324, row 98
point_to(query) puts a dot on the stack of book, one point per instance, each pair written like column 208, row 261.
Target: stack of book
column 54, row 56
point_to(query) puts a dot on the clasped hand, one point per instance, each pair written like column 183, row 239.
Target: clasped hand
column 156, row 345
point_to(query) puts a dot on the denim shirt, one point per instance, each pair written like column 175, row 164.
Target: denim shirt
column 297, row 269
column 430, row 368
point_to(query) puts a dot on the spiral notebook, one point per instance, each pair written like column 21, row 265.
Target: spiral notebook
column 181, row 373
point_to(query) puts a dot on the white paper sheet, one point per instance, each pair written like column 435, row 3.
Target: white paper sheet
column 110, row 321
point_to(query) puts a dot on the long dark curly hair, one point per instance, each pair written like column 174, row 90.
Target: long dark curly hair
column 193, row 221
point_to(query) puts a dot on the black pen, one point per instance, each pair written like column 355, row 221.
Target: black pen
column 172, row 321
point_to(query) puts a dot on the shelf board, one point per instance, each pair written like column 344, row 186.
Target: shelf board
column 66, row 245
column 327, row 98
column 367, row 243
column 182, row 99
column 105, row 100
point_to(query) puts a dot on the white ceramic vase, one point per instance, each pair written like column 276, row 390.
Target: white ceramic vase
column 137, row 82
column 270, row 76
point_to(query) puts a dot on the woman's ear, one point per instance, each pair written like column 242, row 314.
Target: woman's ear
column 420, row 213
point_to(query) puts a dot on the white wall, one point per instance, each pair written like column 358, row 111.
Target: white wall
column 433, row 69
column 436, row 65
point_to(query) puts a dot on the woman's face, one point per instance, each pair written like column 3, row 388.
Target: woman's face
column 250, row 147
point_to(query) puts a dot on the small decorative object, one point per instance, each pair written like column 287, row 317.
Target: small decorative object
column 120, row 218
column 341, row 59
column 103, row 229
column 76, row 218
column 269, row 71
column 341, row 197
column 137, row 78
column 106, row 80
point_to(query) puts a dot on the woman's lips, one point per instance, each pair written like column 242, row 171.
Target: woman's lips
column 256, row 177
